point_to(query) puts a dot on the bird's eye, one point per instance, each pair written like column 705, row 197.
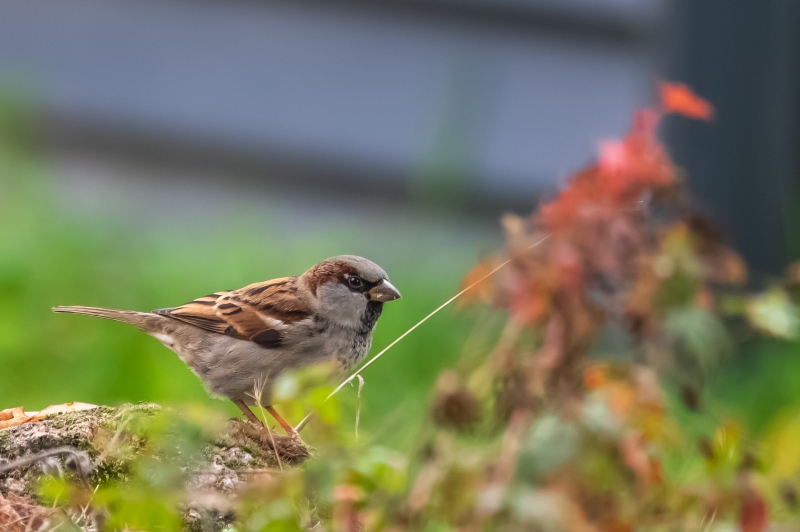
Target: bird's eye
column 354, row 281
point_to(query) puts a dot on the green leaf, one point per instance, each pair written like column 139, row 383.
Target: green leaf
column 699, row 342
column 327, row 409
column 550, row 443
column 774, row 313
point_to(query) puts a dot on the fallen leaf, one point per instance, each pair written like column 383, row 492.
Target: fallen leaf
column 62, row 408
column 12, row 417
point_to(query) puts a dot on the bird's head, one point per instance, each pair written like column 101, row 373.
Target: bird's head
column 348, row 288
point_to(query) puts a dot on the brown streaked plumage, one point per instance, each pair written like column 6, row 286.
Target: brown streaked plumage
column 248, row 312
column 234, row 339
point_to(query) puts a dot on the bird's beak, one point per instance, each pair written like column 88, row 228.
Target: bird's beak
column 383, row 292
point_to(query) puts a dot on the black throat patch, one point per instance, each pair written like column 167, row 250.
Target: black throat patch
column 370, row 317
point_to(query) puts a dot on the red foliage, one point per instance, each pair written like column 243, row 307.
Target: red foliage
column 346, row 516
column 679, row 98
column 754, row 512
column 619, row 251
column 625, row 170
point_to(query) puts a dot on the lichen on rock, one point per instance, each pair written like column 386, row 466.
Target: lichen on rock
column 113, row 438
column 81, row 431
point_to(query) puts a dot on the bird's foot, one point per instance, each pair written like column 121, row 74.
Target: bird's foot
column 295, row 436
column 290, row 431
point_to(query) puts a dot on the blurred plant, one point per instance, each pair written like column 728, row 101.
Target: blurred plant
column 580, row 416
column 154, row 458
column 57, row 246
column 580, row 439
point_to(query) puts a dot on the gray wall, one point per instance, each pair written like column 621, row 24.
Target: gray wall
column 510, row 96
column 493, row 100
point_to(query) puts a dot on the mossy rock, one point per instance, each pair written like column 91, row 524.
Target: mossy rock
column 113, row 441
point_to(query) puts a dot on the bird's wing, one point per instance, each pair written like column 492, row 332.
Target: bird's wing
column 260, row 312
column 199, row 313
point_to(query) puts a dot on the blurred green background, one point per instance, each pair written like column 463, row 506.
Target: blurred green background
column 123, row 255
column 119, row 256
column 151, row 152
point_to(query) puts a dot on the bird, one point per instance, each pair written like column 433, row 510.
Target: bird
column 238, row 340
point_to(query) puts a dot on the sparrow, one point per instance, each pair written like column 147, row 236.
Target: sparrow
column 238, row 340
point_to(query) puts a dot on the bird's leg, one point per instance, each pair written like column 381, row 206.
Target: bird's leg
column 283, row 423
column 247, row 412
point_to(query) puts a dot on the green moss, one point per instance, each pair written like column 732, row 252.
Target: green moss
column 115, row 437
column 88, row 430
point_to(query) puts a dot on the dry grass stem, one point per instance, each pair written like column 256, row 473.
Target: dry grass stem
column 258, row 391
column 358, row 402
column 369, row 362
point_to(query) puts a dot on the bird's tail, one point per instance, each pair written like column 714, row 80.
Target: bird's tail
column 142, row 320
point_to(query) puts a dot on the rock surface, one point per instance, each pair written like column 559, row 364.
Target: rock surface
column 99, row 446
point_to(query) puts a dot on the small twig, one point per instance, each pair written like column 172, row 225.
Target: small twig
column 88, row 503
column 336, row 390
column 58, row 496
column 29, row 524
column 710, row 521
column 358, row 402
column 14, row 522
column 258, row 391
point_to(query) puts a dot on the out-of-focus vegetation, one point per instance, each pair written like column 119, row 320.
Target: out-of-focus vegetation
column 631, row 379
column 52, row 255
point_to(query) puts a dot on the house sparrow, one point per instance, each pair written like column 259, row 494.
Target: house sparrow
column 237, row 338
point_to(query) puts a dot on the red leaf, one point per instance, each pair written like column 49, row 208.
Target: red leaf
column 679, row 98
column 626, row 168
column 483, row 291
column 754, row 511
